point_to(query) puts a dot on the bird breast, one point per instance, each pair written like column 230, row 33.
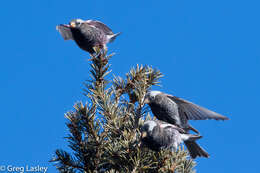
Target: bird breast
column 165, row 110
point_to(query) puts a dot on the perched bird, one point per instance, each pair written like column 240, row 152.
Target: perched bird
column 158, row 135
column 90, row 35
column 178, row 111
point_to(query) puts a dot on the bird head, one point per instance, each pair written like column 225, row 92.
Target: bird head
column 150, row 96
column 147, row 128
column 76, row 23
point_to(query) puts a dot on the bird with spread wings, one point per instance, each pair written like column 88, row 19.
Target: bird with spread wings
column 90, row 35
column 177, row 111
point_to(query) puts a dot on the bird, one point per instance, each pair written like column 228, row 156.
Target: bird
column 89, row 35
column 177, row 111
column 158, row 135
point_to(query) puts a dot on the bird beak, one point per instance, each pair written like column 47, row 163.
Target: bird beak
column 144, row 134
column 73, row 24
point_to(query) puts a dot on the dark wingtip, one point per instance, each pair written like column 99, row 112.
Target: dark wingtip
column 64, row 25
column 223, row 118
column 227, row 118
column 219, row 117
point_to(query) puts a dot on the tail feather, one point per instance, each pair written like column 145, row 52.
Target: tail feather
column 111, row 38
column 195, row 150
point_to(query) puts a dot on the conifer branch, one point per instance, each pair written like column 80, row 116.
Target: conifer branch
column 104, row 133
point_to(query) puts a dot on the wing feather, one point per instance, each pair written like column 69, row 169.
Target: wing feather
column 101, row 26
column 195, row 112
column 65, row 32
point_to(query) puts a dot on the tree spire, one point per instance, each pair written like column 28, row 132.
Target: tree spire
column 104, row 132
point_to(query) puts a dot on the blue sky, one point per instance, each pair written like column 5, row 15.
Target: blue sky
column 208, row 52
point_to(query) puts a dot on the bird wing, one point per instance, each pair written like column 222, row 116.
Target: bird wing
column 65, row 32
column 100, row 25
column 164, row 125
column 195, row 112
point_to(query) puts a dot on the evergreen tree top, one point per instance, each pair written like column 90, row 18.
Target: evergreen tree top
column 104, row 132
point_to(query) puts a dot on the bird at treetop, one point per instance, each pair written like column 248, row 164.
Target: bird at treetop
column 158, row 135
column 90, row 35
column 177, row 111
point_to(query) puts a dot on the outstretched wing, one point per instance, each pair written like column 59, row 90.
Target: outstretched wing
column 101, row 26
column 65, row 32
column 195, row 112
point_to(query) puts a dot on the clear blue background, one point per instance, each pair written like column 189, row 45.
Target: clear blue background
column 208, row 52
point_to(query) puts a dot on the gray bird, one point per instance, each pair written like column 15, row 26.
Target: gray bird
column 158, row 135
column 90, row 35
column 178, row 111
